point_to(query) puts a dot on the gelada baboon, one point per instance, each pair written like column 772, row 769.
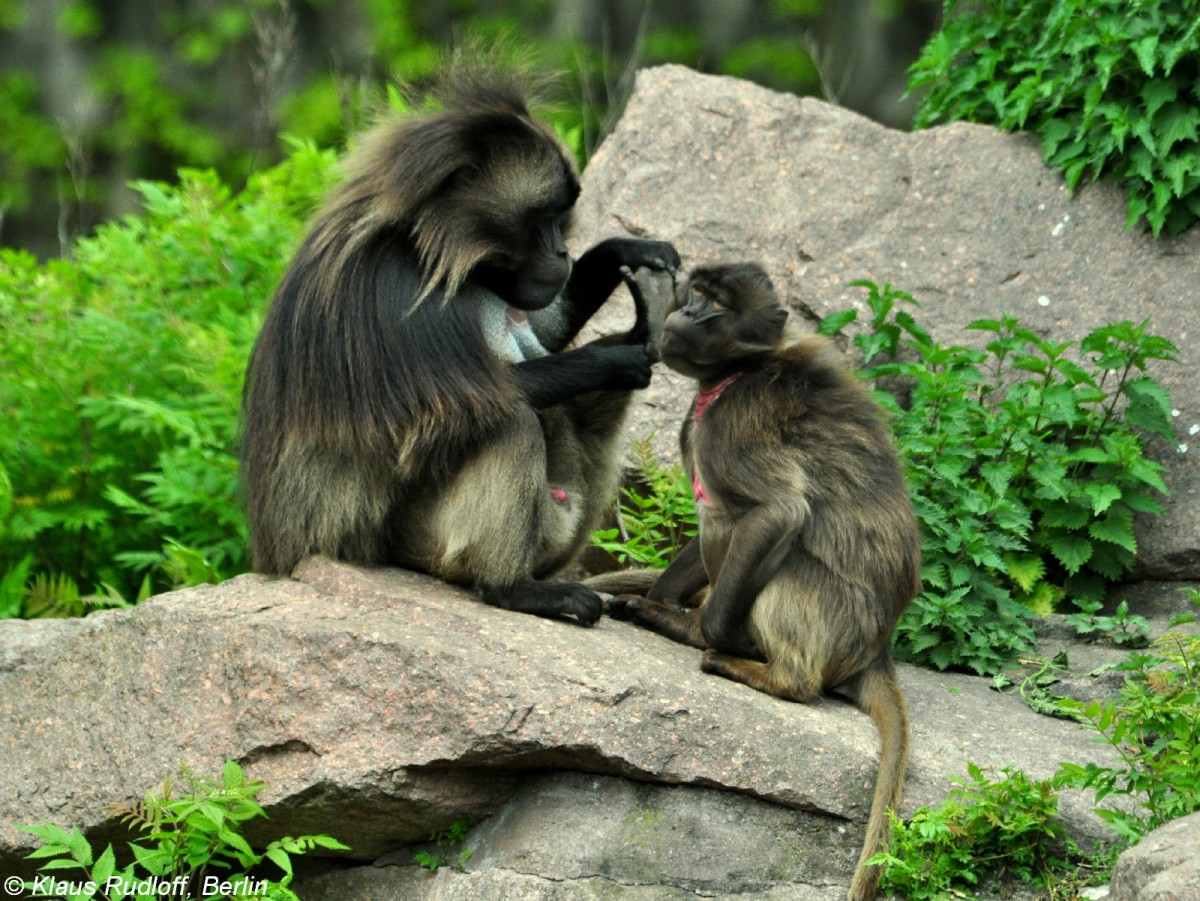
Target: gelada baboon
column 409, row 401
column 807, row 538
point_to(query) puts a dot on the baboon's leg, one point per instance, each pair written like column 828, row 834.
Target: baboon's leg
column 763, row 677
column 498, row 523
column 679, row 625
column 682, row 579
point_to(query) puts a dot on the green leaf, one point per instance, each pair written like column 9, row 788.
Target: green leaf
column 984, row 325
column 1156, row 93
column 155, row 861
column 1174, row 123
column 53, row 849
column 106, row 865
column 1065, row 516
column 835, row 322
column 1054, row 132
column 1072, row 551
column 80, row 849
column 1116, row 528
column 232, row 775
column 998, row 476
column 1102, row 494
column 280, row 858
column 1140, row 502
column 239, row 844
column 1145, row 52
column 61, row 863
column 1026, row 571
column 1090, row 455
column 326, row 841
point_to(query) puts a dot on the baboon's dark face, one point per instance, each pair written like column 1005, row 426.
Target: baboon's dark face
column 524, row 203
column 722, row 315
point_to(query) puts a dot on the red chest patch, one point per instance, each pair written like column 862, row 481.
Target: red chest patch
column 703, row 400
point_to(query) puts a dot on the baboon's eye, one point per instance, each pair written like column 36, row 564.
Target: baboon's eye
column 717, row 305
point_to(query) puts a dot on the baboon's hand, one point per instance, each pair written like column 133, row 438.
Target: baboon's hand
column 637, row 253
column 628, row 367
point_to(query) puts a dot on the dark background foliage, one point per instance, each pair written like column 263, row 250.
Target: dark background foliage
column 96, row 93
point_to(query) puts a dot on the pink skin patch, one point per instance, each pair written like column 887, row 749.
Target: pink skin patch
column 559, row 495
column 703, row 399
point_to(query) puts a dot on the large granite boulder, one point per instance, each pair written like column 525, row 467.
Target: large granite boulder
column 380, row 705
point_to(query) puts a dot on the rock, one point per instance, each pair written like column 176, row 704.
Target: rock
column 1163, row 866
column 379, row 705
column 964, row 217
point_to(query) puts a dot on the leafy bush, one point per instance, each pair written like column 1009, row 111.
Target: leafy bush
column 1026, row 466
column 1007, row 826
column 1113, row 89
column 118, row 455
column 1122, row 628
column 655, row 525
column 447, row 840
column 1154, row 726
column 193, row 844
column 1011, row 824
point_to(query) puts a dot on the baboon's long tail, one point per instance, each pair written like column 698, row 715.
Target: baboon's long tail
column 880, row 697
column 624, row 581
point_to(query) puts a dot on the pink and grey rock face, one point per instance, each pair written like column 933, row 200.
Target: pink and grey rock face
column 379, row 704
column 965, row 218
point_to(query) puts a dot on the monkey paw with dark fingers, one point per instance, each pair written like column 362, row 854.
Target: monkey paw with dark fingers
column 637, row 253
column 552, row 599
column 629, row 368
column 624, row 607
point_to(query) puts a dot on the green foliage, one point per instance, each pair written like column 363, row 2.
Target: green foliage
column 1122, row 628
column 1035, row 688
column 655, row 525
column 1007, row 826
column 448, row 839
column 1112, row 88
column 193, row 841
column 29, row 143
column 1026, row 466
column 126, row 367
column 149, row 105
column 1154, row 727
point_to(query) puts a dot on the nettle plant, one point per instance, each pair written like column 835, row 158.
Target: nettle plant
column 1026, row 462
column 1153, row 725
column 993, row 825
column 1112, row 88
column 654, row 520
column 190, row 845
column 1008, row 825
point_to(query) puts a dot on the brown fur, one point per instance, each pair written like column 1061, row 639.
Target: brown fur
column 395, row 413
column 808, row 538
